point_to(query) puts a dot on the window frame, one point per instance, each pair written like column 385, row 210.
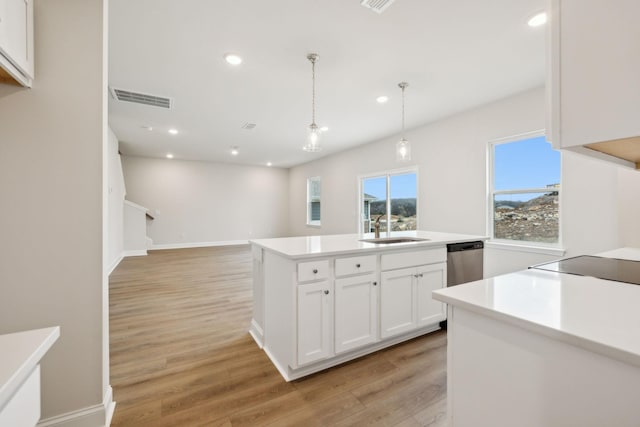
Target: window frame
column 522, row 245
column 387, row 174
column 309, row 220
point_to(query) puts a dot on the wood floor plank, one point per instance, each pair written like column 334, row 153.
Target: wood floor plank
column 181, row 356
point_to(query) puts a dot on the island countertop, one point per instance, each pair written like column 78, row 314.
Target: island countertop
column 599, row 315
column 313, row 246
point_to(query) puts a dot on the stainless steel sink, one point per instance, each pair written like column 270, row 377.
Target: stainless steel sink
column 391, row 240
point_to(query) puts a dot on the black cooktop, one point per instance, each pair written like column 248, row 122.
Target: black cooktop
column 620, row 270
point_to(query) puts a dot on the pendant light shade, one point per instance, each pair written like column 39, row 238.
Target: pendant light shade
column 403, row 147
column 313, row 137
column 403, row 150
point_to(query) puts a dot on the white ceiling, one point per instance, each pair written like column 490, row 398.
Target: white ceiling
column 455, row 54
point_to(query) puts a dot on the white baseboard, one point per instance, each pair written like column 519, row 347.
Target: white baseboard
column 91, row 416
column 257, row 333
column 114, row 264
column 142, row 252
column 198, row 244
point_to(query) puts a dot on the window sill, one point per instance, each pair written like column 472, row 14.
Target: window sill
column 314, row 225
column 529, row 248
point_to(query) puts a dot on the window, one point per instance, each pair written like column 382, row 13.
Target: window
column 313, row 201
column 391, row 198
column 524, row 195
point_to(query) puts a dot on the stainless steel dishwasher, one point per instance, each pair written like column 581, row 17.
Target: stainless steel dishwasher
column 464, row 262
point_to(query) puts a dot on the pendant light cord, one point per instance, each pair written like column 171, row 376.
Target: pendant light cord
column 313, row 91
column 403, row 86
column 313, row 57
column 402, row 111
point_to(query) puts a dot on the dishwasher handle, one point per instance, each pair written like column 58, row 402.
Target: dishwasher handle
column 464, row 246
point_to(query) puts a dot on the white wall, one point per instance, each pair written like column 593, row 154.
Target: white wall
column 135, row 229
column 451, row 157
column 116, row 193
column 199, row 202
column 52, row 143
column 629, row 206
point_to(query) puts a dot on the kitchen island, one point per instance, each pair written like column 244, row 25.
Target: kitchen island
column 541, row 348
column 322, row 300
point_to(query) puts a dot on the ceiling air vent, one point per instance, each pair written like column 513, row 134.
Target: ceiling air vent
column 141, row 98
column 377, row 5
column 248, row 126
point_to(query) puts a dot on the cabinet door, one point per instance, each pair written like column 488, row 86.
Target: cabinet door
column 430, row 278
column 593, row 71
column 397, row 304
column 355, row 311
column 314, row 321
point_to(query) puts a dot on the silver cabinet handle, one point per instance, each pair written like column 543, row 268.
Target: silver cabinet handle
column 326, row 292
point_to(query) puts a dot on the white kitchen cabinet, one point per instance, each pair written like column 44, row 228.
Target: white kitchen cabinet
column 314, row 321
column 318, row 300
column 356, row 308
column 592, row 78
column 257, row 322
column 397, row 302
column 16, row 41
column 405, row 298
column 430, row 278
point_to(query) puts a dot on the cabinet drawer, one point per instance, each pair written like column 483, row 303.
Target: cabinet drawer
column 396, row 260
column 355, row 265
column 313, row 270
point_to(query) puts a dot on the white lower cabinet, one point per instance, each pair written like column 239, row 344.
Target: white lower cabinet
column 430, row 278
column 397, row 308
column 318, row 312
column 314, row 314
column 405, row 298
column 356, row 307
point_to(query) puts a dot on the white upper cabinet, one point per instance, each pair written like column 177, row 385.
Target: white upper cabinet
column 16, row 41
column 593, row 81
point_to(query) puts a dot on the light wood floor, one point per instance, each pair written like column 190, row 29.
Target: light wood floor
column 181, row 356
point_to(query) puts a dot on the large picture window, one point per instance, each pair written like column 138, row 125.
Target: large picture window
column 391, row 199
column 524, row 194
column 313, row 201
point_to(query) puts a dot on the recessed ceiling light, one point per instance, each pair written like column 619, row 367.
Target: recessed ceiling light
column 538, row 19
column 173, row 131
column 324, row 128
column 382, row 99
column 169, row 156
column 269, row 164
column 233, row 59
column 234, row 151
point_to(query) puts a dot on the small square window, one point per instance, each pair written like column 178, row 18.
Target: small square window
column 313, row 201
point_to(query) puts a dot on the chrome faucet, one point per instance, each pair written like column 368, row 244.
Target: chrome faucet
column 376, row 227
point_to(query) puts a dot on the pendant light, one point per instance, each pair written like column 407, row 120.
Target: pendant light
column 313, row 143
column 403, row 147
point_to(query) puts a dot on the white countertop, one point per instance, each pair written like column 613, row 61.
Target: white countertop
column 600, row 315
column 306, row 246
column 20, row 352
